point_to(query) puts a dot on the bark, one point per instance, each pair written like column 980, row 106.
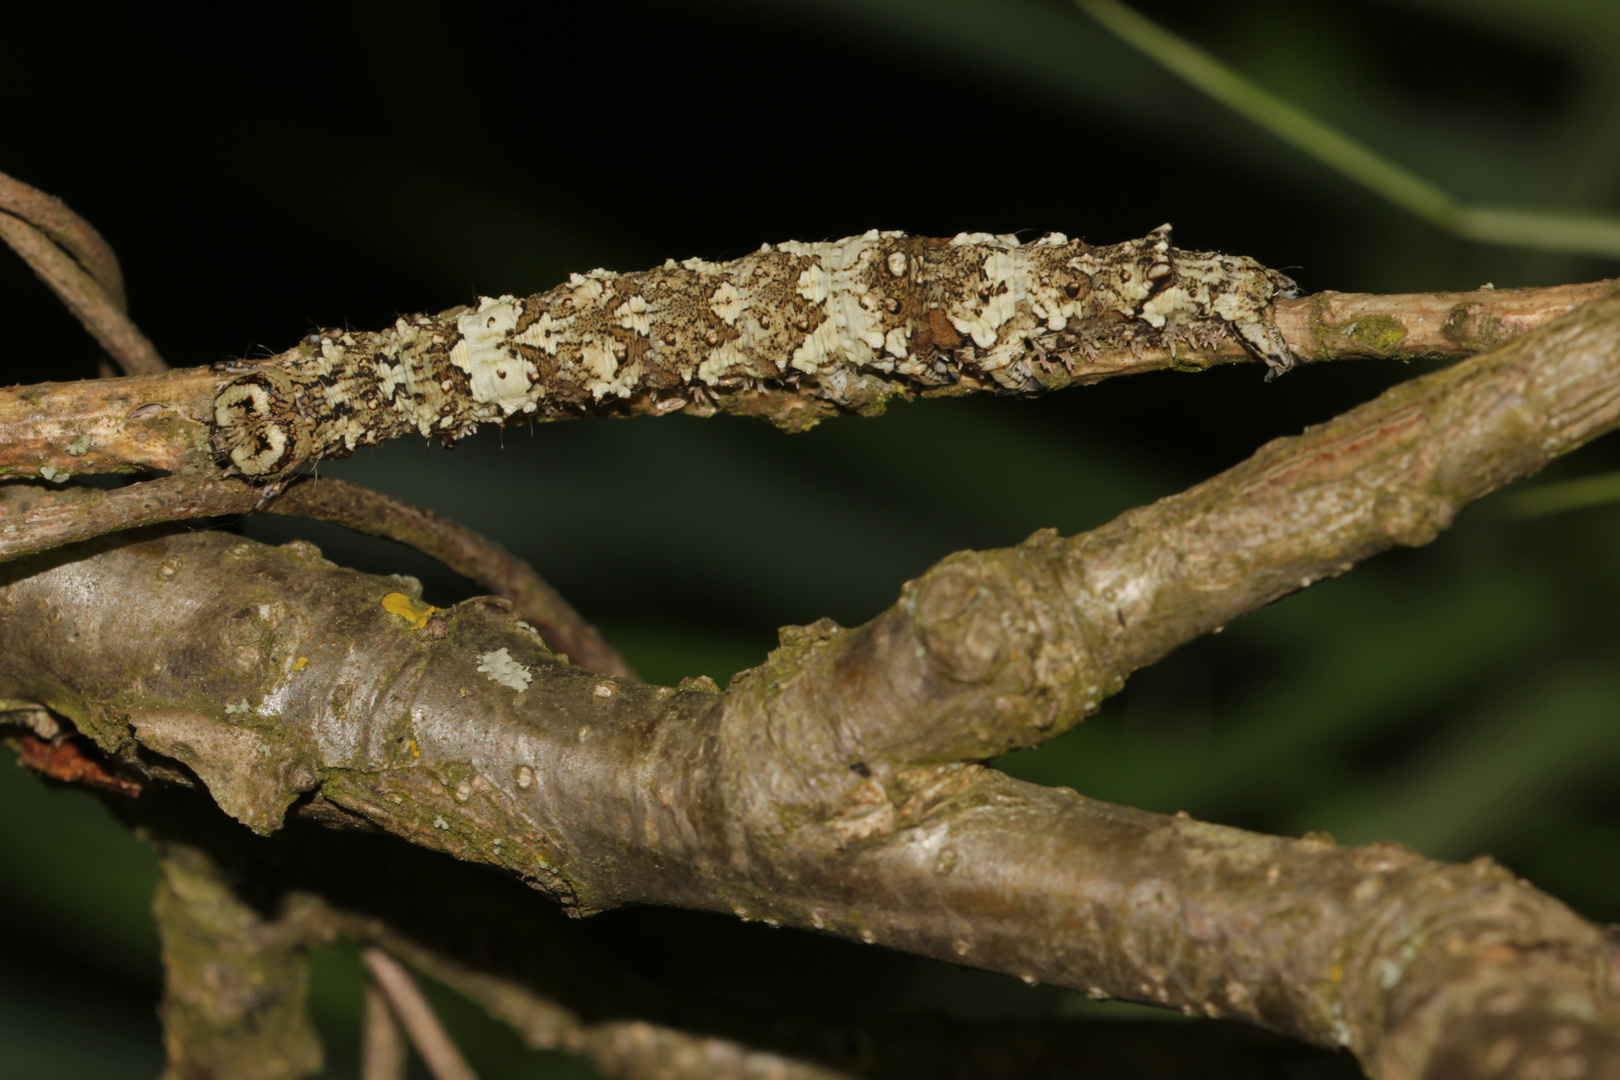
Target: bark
column 836, row 786
column 558, row 992
column 41, row 519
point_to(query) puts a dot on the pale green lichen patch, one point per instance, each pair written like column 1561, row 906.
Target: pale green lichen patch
column 1380, row 333
column 1472, row 327
column 1371, row 335
column 499, row 667
column 79, row 446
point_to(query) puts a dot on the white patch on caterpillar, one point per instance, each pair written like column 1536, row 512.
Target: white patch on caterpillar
column 723, row 364
column 726, row 303
column 499, row 376
column 851, row 332
column 388, row 378
column 632, row 315
column 895, row 343
column 821, row 347
column 1005, row 284
column 814, row 283
column 587, row 287
column 548, row 333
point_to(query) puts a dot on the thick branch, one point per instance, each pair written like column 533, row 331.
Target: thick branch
column 602, row 791
column 558, row 990
column 40, row 519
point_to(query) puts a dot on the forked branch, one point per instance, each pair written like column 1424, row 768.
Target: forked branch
column 835, row 787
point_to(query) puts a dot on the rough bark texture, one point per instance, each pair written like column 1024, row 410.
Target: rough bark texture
column 130, row 424
column 835, row 787
column 38, row 519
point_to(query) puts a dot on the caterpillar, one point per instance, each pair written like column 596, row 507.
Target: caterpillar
column 840, row 325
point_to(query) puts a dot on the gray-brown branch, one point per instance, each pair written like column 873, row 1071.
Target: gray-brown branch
column 39, row 518
column 556, row 995
column 834, row 787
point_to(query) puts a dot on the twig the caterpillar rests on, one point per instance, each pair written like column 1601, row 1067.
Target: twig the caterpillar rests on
column 841, row 325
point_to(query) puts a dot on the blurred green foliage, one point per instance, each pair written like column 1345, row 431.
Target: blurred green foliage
column 329, row 168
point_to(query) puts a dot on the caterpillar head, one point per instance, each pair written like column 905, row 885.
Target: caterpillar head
column 257, row 427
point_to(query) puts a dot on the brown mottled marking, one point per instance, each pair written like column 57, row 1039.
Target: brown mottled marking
column 844, row 322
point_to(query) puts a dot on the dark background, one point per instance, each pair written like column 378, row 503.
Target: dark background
column 277, row 169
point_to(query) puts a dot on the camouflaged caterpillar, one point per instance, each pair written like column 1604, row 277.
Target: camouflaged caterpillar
column 843, row 325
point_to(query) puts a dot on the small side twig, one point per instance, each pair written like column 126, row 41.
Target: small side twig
column 67, row 230
column 416, row 1016
column 629, row 1049
column 461, row 549
column 79, row 267
column 49, row 518
column 382, row 1047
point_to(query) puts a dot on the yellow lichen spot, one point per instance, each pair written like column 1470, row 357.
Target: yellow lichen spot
column 301, row 663
column 413, row 612
column 1336, row 973
column 411, row 744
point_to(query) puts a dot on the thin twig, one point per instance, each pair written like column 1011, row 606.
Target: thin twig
column 382, row 1047
column 83, row 296
column 48, row 518
column 68, row 231
column 417, row 1017
column 630, row 1049
column 462, row 550
column 165, row 421
column 72, row 258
